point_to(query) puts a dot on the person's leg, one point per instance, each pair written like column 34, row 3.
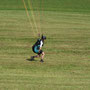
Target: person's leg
column 32, row 57
column 42, row 57
column 36, row 56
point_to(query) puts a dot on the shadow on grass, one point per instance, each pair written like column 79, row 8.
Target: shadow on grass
column 31, row 60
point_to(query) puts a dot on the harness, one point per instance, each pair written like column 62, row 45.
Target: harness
column 36, row 46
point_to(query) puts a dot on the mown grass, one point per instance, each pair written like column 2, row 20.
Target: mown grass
column 67, row 48
column 48, row 5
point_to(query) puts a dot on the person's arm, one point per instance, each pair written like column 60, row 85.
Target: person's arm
column 41, row 43
column 40, row 49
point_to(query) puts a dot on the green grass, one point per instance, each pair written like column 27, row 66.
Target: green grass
column 54, row 5
column 67, row 60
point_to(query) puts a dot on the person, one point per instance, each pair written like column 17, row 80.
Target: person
column 37, row 48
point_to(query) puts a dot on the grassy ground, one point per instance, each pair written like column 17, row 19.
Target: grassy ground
column 67, row 48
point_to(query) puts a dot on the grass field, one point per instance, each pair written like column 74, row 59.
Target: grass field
column 66, row 23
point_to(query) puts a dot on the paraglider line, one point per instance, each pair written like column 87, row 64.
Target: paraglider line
column 28, row 16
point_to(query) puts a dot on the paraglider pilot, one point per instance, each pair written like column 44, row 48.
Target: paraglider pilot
column 37, row 48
